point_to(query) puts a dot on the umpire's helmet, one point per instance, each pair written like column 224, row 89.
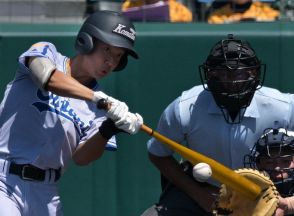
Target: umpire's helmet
column 111, row 28
column 273, row 145
column 232, row 72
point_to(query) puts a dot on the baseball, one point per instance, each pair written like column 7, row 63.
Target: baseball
column 202, row 172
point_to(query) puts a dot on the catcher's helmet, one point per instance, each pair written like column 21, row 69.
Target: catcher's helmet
column 232, row 72
column 111, row 28
column 273, row 145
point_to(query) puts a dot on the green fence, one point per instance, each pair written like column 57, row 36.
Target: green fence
column 124, row 183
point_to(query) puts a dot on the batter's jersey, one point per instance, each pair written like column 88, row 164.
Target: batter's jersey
column 42, row 128
column 195, row 120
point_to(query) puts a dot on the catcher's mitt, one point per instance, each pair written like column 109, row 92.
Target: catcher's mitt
column 230, row 202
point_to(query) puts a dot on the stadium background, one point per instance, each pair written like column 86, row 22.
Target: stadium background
column 124, row 183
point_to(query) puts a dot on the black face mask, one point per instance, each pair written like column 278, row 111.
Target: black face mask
column 233, row 106
column 233, row 97
column 232, row 72
column 285, row 186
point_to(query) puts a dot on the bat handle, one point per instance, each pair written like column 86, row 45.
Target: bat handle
column 102, row 104
column 147, row 129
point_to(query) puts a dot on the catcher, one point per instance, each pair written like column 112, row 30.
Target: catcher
column 274, row 154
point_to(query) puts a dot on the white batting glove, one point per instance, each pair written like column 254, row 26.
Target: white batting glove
column 98, row 95
column 131, row 123
column 118, row 111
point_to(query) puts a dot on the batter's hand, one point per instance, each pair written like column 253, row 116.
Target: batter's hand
column 99, row 95
column 131, row 124
column 118, row 110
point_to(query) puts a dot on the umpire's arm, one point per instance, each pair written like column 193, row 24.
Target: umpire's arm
column 172, row 170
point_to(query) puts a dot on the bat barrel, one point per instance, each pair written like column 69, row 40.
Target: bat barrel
column 220, row 172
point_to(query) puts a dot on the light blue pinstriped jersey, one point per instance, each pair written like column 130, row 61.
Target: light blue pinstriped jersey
column 39, row 127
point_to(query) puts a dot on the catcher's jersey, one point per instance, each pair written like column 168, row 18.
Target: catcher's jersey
column 195, row 120
column 39, row 127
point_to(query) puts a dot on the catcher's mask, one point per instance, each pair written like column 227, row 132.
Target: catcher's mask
column 232, row 72
column 111, row 28
column 273, row 146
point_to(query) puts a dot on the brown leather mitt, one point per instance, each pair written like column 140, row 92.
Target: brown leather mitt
column 232, row 203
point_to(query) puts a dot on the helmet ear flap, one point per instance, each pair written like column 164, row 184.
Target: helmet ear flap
column 123, row 63
column 84, row 43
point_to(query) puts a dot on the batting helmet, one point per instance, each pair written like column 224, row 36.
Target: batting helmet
column 111, row 28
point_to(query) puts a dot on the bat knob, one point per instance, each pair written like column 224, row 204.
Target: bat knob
column 102, row 104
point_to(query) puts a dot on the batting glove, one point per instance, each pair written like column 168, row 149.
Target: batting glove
column 98, row 95
column 131, row 123
column 118, row 111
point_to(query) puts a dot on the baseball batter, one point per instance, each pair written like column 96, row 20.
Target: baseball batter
column 48, row 115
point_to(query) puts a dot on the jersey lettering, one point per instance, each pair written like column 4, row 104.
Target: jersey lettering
column 55, row 104
column 45, row 49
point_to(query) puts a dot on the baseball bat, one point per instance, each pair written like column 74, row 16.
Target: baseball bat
column 220, row 172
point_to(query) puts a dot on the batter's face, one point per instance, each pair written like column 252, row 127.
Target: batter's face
column 102, row 60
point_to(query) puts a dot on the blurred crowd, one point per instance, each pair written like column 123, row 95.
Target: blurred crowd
column 211, row 11
column 243, row 10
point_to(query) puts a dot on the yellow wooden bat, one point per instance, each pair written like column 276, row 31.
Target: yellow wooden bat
column 220, row 172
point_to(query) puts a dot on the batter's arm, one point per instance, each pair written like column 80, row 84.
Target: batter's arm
column 66, row 86
column 90, row 150
column 45, row 74
column 171, row 169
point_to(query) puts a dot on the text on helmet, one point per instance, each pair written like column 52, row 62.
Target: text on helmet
column 120, row 29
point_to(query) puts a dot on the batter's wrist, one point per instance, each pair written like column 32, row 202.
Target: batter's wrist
column 98, row 95
column 108, row 129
